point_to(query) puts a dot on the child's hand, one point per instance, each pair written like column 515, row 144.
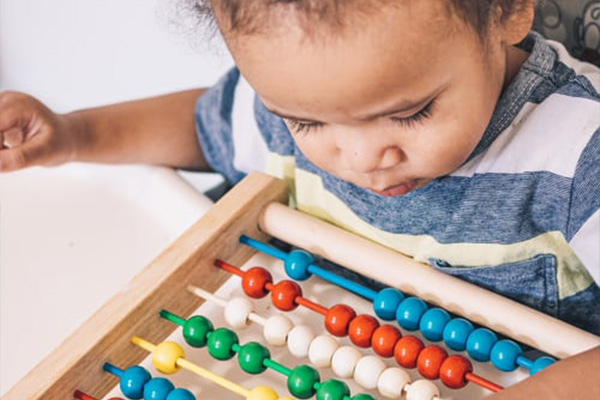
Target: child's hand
column 31, row 134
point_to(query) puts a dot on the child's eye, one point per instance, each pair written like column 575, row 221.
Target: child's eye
column 303, row 127
column 420, row 116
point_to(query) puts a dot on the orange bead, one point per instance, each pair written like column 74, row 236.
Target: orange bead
column 407, row 351
column 338, row 318
column 453, row 371
column 361, row 328
column 254, row 282
column 284, row 295
column 384, row 340
column 430, row 361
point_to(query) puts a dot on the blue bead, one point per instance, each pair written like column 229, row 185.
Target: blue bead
column 480, row 343
column 133, row 381
column 504, row 355
column 296, row 264
column 181, row 394
column 409, row 313
column 540, row 364
column 157, row 389
column 386, row 303
column 432, row 324
column 456, row 333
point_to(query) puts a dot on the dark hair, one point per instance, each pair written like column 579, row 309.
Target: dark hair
column 249, row 16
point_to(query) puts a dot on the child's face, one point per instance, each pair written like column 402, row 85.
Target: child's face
column 390, row 104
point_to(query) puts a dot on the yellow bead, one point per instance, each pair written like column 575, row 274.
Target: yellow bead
column 165, row 355
column 262, row 393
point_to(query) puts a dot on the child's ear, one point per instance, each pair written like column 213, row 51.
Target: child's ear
column 516, row 25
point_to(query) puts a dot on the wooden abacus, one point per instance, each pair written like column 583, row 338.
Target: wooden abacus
column 256, row 208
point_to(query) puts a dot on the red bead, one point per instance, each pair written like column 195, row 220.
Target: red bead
column 384, row 340
column 407, row 351
column 453, row 371
column 284, row 295
column 338, row 318
column 254, row 282
column 360, row 330
column 430, row 361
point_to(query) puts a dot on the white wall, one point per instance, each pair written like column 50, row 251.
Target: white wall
column 79, row 53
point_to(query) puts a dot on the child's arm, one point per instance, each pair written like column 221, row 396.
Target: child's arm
column 576, row 377
column 158, row 130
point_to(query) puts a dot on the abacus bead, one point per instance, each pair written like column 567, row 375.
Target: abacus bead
column 391, row 382
column 386, row 303
column 251, row 357
column 338, row 318
column 221, row 342
column 409, row 313
column 284, row 294
column 276, row 330
column 422, row 390
column 321, row 351
column 299, row 340
column 332, row 389
column 384, row 340
column 430, row 360
column 453, row 371
column 407, row 351
column 504, row 355
column 433, row 322
column 296, row 265
column 344, row 361
column 133, row 380
column 196, row 329
column 157, row 389
column 181, row 394
column 254, row 282
column 480, row 343
column 301, row 381
column 362, row 396
column 541, row 363
column 456, row 333
column 361, row 328
column 165, row 356
column 262, row 393
column 237, row 311
column 367, row 371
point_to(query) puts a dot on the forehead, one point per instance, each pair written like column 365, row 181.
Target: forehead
column 396, row 50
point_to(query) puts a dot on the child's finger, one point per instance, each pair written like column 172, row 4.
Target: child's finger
column 33, row 152
column 12, row 138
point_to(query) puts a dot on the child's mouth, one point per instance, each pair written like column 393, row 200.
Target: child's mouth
column 398, row 190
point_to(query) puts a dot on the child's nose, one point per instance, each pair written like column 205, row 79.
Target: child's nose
column 369, row 156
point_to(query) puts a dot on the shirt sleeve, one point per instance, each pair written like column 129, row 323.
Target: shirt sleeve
column 583, row 230
column 227, row 130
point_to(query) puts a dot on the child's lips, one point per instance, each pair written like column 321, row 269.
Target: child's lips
column 398, row 190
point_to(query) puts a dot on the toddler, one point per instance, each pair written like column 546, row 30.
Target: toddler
column 441, row 128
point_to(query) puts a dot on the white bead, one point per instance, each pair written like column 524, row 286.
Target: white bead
column 237, row 311
column 299, row 340
column 276, row 330
column 422, row 390
column 392, row 381
column 321, row 351
column 367, row 371
column 344, row 360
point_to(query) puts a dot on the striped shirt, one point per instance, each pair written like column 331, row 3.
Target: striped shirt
column 521, row 217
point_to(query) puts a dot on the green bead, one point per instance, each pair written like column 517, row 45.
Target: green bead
column 301, row 382
column 362, row 396
column 196, row 329
column 220, row 343
column 251, row 357
column 332, row 389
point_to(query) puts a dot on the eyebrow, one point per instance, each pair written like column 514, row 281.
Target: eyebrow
column 395, row 109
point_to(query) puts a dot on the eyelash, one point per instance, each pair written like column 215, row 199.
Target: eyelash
column 300, row 127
